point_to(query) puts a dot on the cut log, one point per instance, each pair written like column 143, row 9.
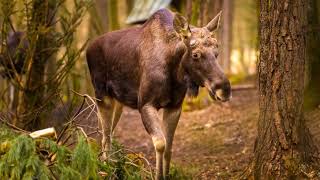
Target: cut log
column 48, row 132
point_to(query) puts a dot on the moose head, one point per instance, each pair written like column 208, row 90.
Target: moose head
column 200, row 58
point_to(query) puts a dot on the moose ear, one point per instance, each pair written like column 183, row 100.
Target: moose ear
column 214, row 23
column 181, row 26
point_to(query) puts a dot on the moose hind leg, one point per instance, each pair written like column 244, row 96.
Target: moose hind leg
column 105, row 107
column 116, row 114
column 150, row 120
column 170, row 121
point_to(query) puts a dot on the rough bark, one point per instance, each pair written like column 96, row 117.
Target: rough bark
column 284, row 147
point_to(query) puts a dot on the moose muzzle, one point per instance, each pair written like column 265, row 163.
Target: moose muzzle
column 219, row 91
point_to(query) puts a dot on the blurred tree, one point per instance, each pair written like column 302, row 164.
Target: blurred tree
column 99, row 17
column 195, row 12
column 312, row 93
column 39, row 31
column 202, row 12
column 113, row 15
column 284, row 148
column 40, row 86
column 129, row 5
column 102, row 8
column 226, row 37
column 244, row 38
column 189, row 10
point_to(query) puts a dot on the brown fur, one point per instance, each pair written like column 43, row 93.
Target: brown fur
column 152, row 67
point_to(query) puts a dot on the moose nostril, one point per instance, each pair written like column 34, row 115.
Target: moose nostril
column 196, row 55
column 223, row 85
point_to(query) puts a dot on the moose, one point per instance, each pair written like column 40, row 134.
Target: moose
column 151, row 67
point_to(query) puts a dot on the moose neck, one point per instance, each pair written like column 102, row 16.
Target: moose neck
column 183, row 78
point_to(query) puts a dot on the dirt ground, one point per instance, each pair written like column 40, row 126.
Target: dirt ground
column 212, row 143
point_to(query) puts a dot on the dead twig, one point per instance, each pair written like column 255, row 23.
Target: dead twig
column 142, row 157
column 73, row 118
column 84, row 133
column 14, row 127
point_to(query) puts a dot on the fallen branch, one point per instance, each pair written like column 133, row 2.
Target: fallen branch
column 14, row 127
column 243, row 87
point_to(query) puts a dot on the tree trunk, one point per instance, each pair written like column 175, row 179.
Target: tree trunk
column 195, row 12
column 102, row 11
column 189, row 10
column 33, row 94
column 226, row 37
column 214, row 7
column 312, row 93
column 99, row 18
column 202, row 13
column 113, row 15
column 284, row 147
column 129, row 6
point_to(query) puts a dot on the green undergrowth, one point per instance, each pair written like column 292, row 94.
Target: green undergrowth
column 178, row 172
column 22, row 157
column 203, row 100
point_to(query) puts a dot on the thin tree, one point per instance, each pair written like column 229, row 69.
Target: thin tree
column 113, row 15
column 312, row 93
column 34, row 90
column 226, row 37
column 39, row 88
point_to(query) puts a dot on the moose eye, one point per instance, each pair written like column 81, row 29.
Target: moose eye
column 193, row 43
column 196, row 55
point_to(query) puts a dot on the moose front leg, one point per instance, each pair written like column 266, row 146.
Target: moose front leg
column 150, row 119
column 170, row 120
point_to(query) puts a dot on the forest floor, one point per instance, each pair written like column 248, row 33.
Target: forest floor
column 212, row 143
column 215, row 142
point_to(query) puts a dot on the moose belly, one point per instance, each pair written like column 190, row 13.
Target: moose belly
column 125, row 93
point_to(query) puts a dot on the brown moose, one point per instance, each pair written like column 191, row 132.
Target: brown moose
column 151, row 67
